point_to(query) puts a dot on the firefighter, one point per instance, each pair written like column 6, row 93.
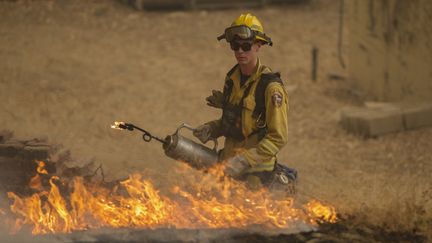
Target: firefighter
column 254, row 107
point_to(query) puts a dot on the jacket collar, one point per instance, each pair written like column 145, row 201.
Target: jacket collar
column 235, row 76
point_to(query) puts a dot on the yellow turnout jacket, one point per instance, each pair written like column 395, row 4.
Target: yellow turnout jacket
column 260, row 149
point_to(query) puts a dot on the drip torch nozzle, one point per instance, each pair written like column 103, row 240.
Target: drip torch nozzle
column 123, row 126
column 129, row 126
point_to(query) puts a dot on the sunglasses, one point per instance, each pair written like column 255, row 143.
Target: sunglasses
column 245, row 46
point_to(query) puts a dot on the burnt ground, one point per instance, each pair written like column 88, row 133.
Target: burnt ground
column 68, row 69
column 345, row 230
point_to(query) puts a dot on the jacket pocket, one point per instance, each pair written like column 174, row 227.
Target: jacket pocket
column 248, row 121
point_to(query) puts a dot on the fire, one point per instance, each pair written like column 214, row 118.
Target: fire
column 213, row 202
column 41, row 167
column 118, row 125
column 36, row 181
column 321, row 212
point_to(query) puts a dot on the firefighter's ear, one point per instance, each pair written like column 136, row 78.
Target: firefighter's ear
column 257, row 45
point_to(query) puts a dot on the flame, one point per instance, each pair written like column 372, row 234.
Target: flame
column 208, row 201
column 36, row 181
column 321, row 212
column 41, row 167
column 117, row 125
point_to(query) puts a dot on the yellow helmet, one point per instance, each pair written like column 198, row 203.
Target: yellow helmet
column 246, row 26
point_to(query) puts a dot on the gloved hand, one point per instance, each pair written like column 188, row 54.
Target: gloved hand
column 216, row 99
column 203, row 133
column 235, row 166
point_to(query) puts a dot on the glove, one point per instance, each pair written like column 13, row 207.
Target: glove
column 216, row 99
column 235, row 166
column 203, row 133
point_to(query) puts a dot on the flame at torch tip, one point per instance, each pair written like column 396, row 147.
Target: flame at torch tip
column 117, row 125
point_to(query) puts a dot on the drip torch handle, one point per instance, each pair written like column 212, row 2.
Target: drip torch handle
column 189, row 127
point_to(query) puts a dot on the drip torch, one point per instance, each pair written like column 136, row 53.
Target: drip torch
column 179, row 147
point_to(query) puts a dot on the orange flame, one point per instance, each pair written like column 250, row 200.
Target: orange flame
column 41, row 168
column 36, row 181
column 321, row 212
column 215, row 202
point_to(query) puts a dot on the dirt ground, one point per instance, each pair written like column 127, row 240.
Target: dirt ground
column 68, row 69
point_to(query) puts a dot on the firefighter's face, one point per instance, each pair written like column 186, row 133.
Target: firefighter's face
column 245, row 51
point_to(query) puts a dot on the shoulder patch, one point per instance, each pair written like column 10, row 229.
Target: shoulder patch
column 277, row 98
column 261, row 92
